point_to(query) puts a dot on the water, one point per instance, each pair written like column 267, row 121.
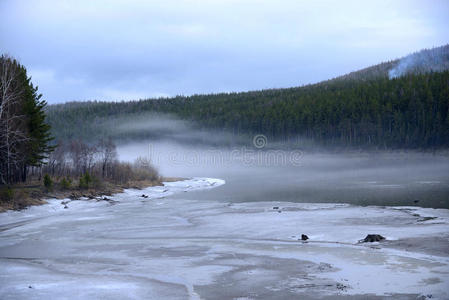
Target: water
column 384, row 179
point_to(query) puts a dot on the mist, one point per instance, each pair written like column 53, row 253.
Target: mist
column 425, row 61
column 152, row 126
column 288, row 172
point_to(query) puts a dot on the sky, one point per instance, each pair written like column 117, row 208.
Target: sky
column 117, row 50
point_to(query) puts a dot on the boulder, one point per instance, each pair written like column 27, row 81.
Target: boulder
column 304, row 237
column 370, row 238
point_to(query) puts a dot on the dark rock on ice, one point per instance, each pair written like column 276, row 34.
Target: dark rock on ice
column 304, row 237
column 73, row 196
column 372, row 238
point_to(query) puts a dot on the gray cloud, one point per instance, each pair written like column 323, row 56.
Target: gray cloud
column 113, row 50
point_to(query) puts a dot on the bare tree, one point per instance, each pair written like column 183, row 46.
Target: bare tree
column 12, row 128
column 108, row 154
column 57, row 160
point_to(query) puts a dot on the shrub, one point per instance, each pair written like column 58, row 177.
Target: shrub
column 85, row 180
column 66, row 183
column 144, row 170
column 6, row 194
column 82, row 183
column 48, row 183
column 96, row 182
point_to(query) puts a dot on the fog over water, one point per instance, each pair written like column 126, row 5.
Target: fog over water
column 271, row 173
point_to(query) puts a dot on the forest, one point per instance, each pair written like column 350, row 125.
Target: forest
column 387, row 106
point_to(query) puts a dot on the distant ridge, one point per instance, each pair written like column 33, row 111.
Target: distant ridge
column 398, row 104
column 421, row 62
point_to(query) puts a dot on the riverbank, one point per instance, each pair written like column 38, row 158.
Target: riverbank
column 35, row 193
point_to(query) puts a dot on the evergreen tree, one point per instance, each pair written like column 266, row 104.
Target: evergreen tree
column 24, row 134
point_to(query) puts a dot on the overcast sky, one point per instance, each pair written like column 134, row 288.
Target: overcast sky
column 131, row 49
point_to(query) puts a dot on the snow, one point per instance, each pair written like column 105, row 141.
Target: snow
column 166, row 247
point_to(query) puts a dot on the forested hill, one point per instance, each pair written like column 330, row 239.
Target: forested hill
column 398, row 104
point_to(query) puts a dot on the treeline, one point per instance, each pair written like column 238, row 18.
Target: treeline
column 410, row 111
column 24, row 134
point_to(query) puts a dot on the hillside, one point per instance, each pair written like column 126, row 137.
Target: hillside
column 397, row 104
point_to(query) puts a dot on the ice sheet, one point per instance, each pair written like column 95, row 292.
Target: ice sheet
column 163, row 247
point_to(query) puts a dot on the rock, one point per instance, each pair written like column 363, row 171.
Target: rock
column 73, row 196
column 372, row 238
column 144, row 196
column 65, row 207
column 275, row 207
column 30, row 287
column 304, row 237
column 415, row 201
column 91, row 197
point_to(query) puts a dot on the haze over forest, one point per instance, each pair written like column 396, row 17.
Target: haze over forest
column 397, row 104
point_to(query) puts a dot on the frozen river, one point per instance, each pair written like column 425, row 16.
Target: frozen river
column 170, row 246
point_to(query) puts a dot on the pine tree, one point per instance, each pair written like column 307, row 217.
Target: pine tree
column 39, row 131
column 24, row 135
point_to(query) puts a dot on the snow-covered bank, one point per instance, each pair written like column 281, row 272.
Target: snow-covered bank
column 162, row 247
column 56, row 206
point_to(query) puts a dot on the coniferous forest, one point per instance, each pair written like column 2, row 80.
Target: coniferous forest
column 372, row 108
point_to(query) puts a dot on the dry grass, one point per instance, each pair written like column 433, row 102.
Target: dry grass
column 172, row 179
column 21, row 196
